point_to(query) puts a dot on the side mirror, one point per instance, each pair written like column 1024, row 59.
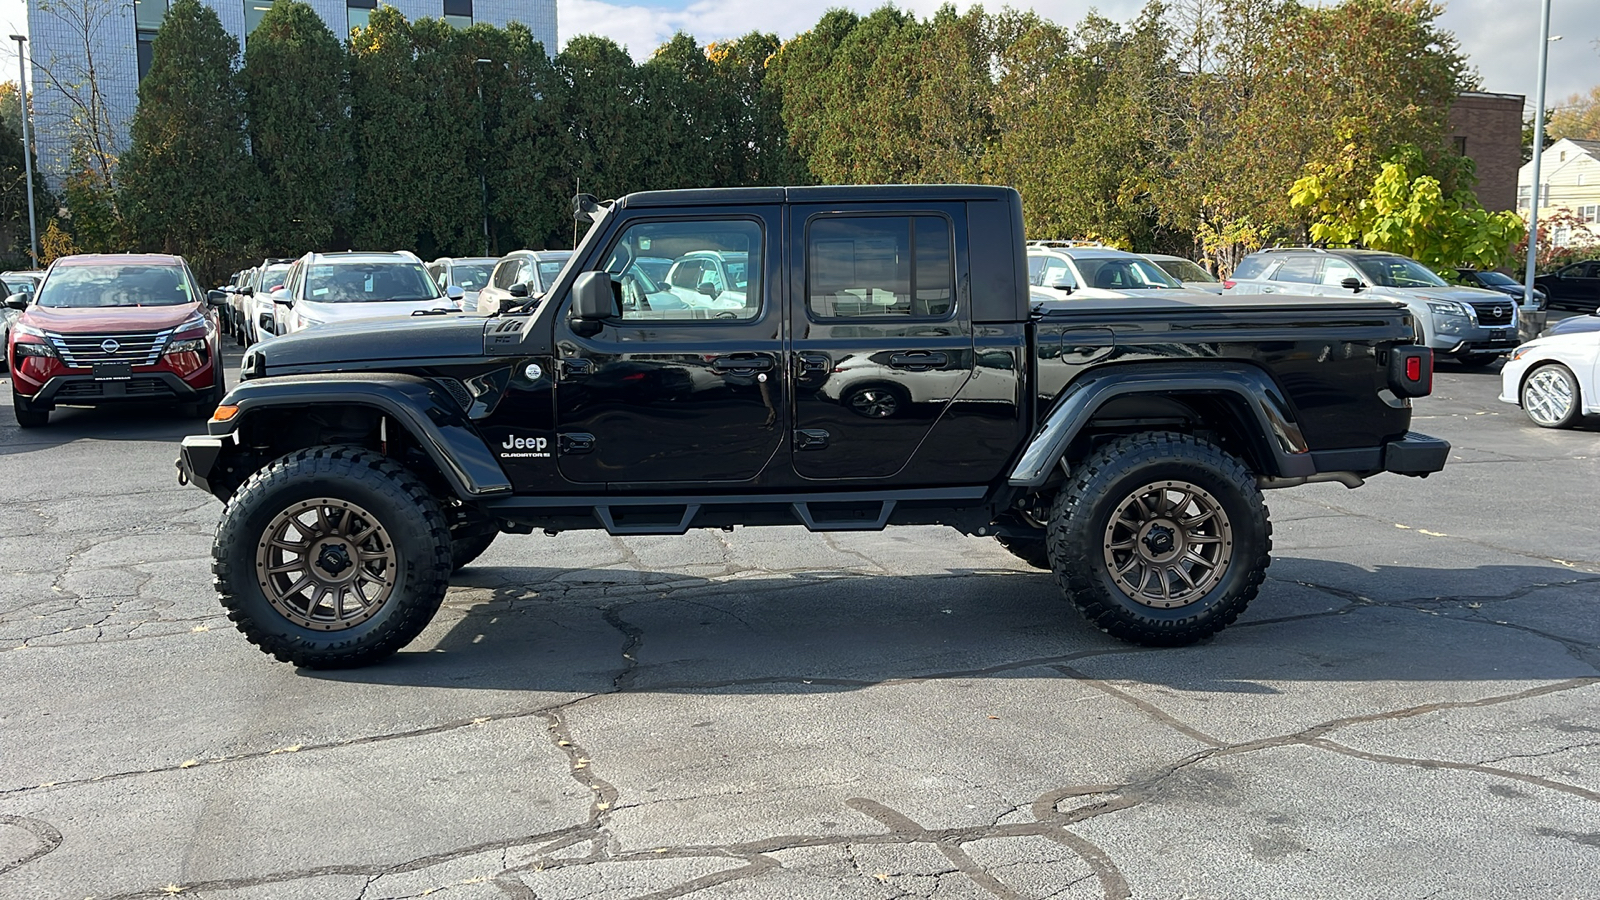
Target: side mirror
column 519, row 290
column 708, row 289
column 593, row 300
column 1352, row 284
column 1060, row 283
column 455, row 293
column 216, row 298
column 247, row 292
column 282, row 298
column 18, row 301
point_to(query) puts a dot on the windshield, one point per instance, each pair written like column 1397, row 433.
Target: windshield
column 369, row 282
column 471, row 277
column 1124, row 274
column 1498, row 278
column 98, row 286
column 1184, row 270
column 272, row 279
column 736, row 266
column 1398, row 272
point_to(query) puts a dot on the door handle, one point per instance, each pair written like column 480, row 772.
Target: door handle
column 742, row 365
column 576, row 367
column 814, row 364
column 918, row 360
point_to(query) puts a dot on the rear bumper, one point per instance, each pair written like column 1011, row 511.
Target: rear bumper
column 1415, row 454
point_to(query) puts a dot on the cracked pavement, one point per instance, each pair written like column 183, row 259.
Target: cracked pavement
column 1410, row 709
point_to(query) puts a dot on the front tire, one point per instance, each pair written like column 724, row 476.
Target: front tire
column 1477, row 360
column 1160, row 538
column 468, row 547
column 1550, row 397
column 27, row 416
column 1032, row 551
column 332, row 557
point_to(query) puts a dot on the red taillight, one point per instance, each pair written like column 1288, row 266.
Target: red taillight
column 1228, row 283
column 1414, row 368
column 1411, row 371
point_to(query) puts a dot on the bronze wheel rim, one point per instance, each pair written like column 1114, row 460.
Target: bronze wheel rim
column 326, row 564
column 1168, row 544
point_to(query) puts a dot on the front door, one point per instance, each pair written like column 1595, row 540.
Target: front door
column 882, row 337
column 682, row 384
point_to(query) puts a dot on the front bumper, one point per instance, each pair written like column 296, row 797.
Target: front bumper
column 85, row 390
column 197, row 458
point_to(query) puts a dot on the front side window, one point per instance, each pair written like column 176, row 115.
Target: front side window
column 1036, row 270
column 1298, row 270
column 1056, row 273
column 548, row 270
column 89, row 287
column 1335, row 271
column 1125, row 274
column 366, row 282
column 880, row 266
column 1184, row 270
column 693, row 249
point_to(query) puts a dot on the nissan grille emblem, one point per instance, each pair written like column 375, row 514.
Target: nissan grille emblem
column 110, row 346
column 1498, row 312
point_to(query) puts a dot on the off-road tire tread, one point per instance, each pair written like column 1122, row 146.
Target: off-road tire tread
column 381, row 474
column 1033, row 551
column 1078, row 556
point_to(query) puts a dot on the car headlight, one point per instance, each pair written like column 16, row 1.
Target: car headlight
column 28, row 348
column 24, row 328
column 191, row 345
column 193, row 323
column 310, row 322
column 1520, row 352
column 1447, row 308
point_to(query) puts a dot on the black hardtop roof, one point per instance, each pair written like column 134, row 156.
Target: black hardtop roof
column 887, row 193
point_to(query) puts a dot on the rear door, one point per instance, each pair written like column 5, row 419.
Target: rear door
column 673, row 388
column 882, row 337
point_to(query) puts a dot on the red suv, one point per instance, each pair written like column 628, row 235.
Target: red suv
column 109, row 328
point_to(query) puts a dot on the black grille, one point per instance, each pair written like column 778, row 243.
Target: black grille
column 1494, row 313
column 141, row 348
column 136, row 387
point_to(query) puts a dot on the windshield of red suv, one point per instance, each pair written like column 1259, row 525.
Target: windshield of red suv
column 89, row 287
column 363, row 282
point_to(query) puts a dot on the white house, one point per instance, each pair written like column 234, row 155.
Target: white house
column 1570, row 172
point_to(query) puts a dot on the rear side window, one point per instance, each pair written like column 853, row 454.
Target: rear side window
column 1251, row 267
column 880, row 267
column 1298, row 270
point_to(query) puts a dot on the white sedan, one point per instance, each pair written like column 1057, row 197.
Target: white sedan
column 1553, row 378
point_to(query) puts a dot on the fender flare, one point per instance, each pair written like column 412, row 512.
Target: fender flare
column 1278, row 430
column 419, row 405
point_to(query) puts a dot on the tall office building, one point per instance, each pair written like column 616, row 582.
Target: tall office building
column 115, row 37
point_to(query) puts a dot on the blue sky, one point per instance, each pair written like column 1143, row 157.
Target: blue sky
column 1500, row 36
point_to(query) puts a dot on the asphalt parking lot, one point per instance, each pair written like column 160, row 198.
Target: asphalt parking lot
column 1411, row 709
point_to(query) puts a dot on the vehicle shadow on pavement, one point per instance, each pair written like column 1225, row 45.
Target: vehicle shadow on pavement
column 133, row 422
column 1315, row 621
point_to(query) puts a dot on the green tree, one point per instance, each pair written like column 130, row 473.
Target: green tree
column 607, row 120
column 1578, row 118
column 530, row 179
column 296, row 95
column 1407, row 211
column 760, row 152
column 14, row 242
column 187, row 182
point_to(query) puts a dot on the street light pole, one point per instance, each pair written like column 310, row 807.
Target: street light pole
column 1538, row 157
column 27, row 154
column 483, row 177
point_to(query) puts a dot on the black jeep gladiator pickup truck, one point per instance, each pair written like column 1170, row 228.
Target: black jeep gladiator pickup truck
column 840, row 358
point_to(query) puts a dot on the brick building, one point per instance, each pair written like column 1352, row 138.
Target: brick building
column 1487, row 128
column 119, row 35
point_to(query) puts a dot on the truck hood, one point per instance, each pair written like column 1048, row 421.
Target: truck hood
column 108, row 319
column 409, row 338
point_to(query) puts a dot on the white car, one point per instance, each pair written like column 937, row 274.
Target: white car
column 332, row 288
column 1062, row 270
column 1553, row 378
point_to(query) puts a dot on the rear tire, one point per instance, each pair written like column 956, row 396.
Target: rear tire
column 465, row 549
column 332, row 557
column 1160, row 538
column 1032, row 551
column 1550, row 397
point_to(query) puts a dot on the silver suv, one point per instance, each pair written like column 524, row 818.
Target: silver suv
column 1471, row 325
column 1058, row 270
